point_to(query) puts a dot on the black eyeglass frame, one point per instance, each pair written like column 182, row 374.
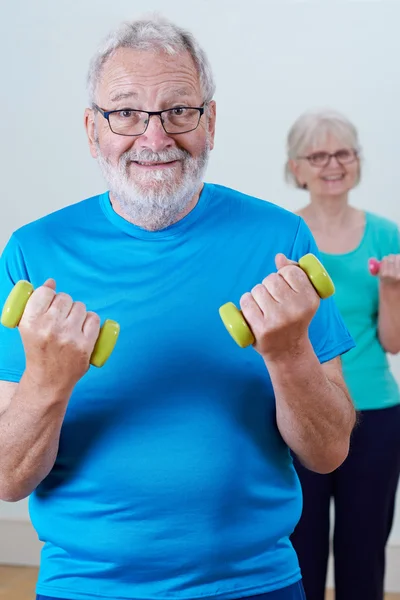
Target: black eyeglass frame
column 158, row 113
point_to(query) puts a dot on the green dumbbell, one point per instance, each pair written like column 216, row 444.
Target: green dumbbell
column 235, row 322
column 15, row 305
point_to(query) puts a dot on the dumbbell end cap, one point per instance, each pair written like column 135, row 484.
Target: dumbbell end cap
column 318, row 275
column 105, row 343
column 374, row 266
column 236, row 325
column 15, row 304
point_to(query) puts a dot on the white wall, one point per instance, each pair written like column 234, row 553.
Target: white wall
column 272, row 60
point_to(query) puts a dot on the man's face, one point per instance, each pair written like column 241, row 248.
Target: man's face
column 153, row 176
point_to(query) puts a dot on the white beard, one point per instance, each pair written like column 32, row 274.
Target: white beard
column 156, row 198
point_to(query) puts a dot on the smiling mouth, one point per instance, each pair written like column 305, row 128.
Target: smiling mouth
column 155, row 165
column 333, row 177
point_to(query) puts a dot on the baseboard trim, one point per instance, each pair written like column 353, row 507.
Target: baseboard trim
column 19, row 545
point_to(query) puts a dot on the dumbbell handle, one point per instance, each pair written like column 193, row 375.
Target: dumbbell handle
column 14, row 308
column 235, row 322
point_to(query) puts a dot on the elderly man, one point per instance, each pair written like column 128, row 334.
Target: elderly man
column 167, row 474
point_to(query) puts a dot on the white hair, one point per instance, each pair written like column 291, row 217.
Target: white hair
column 155, row 34
column 311, row 129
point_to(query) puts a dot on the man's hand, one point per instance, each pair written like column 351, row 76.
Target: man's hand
column 280, row 309
column 58, row 335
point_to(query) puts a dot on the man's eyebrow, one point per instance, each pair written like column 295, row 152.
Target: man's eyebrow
column 181, row 92
column 123, row 96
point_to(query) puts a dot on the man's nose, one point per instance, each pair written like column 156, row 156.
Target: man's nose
column 155, row 136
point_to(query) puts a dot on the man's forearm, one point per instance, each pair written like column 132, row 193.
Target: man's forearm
column 315, row 415
column 29, row 437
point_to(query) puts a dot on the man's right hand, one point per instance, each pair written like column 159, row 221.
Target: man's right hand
column 58, row 335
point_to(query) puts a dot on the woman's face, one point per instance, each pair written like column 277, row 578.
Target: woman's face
column 327, row 170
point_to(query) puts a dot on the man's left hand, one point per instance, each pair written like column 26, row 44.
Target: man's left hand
column 279, row 311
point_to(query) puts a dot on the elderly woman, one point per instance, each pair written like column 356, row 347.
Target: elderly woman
column 324, row 159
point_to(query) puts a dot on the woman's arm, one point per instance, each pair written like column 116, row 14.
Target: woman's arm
column 389, row 303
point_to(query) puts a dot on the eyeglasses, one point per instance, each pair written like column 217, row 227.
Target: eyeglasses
column 322, row 159
column 130, row 122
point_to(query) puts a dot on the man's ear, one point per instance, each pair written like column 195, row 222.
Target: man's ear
column 212, row 116
column 90, row 130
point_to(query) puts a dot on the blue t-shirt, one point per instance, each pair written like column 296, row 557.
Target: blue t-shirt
column 172, row 479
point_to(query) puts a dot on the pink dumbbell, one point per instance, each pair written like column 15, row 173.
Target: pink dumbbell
column 374, row 266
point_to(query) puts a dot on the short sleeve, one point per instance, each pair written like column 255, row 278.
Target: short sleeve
column 384, row 236
column 328, row 334
column 395, row 240
column 12, row 356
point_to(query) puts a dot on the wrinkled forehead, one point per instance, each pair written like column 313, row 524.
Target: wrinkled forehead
column 130, row 71
column 327, row 135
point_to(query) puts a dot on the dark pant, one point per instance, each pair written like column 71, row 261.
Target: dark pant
column 363, row 490
column 293, row 592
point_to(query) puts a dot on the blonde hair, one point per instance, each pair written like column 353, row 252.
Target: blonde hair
column 311, row 129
